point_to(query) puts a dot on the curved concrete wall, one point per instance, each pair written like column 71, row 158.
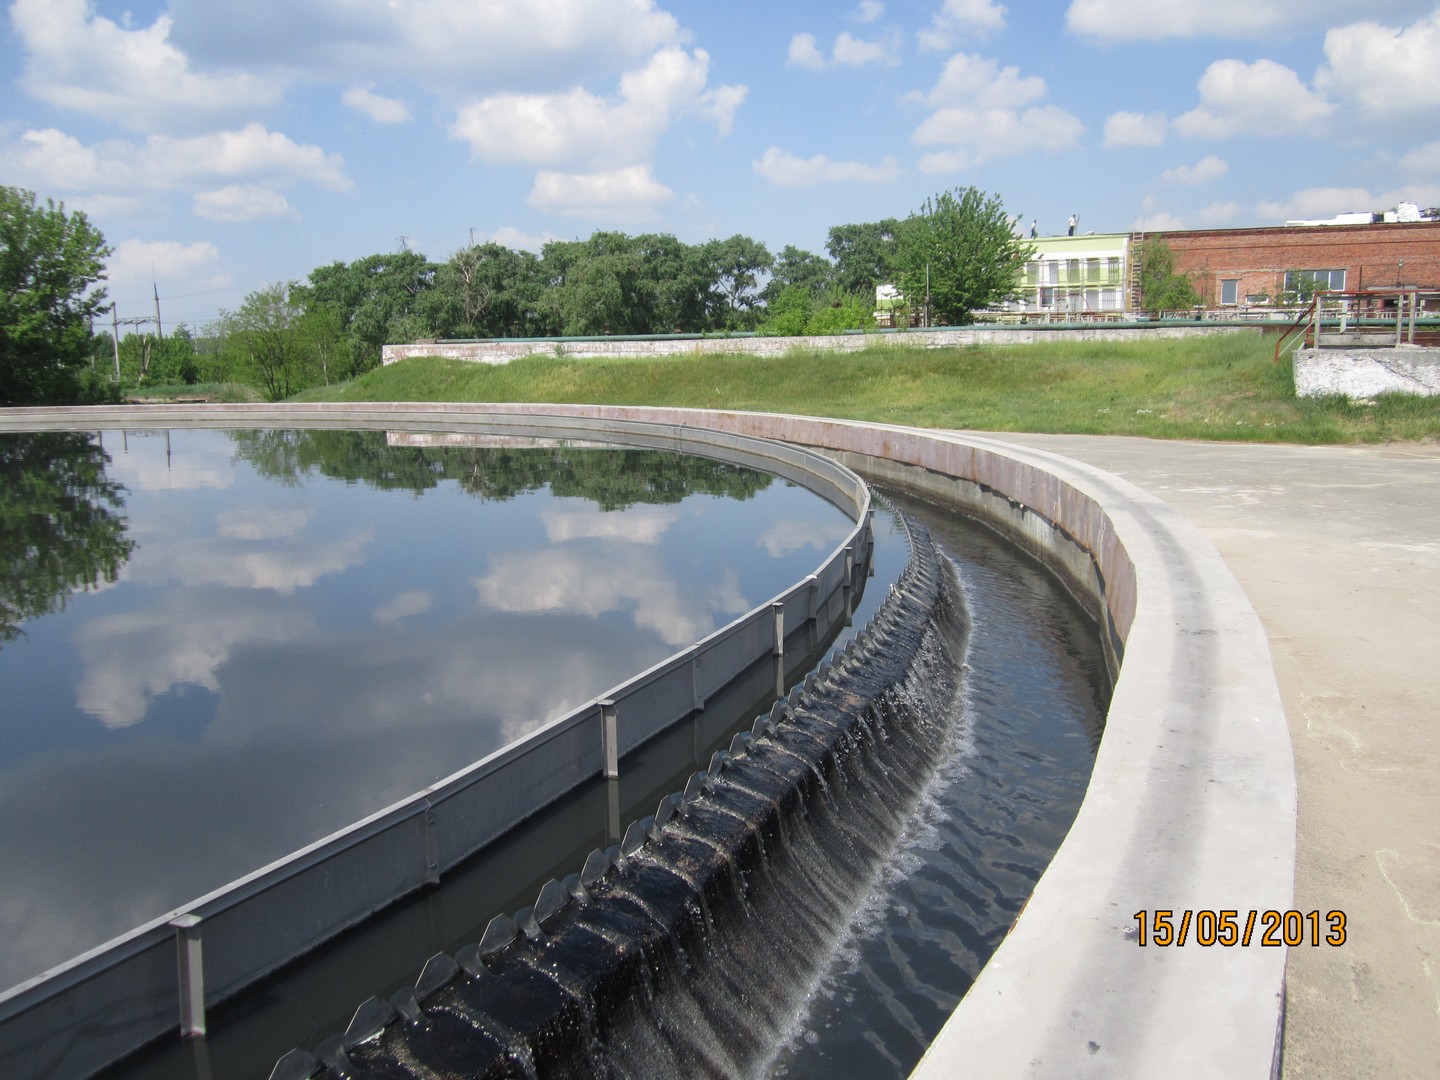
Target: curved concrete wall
column 1191, row 805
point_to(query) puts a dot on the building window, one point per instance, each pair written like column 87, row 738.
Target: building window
column 1305, row 283
column 1229, row 291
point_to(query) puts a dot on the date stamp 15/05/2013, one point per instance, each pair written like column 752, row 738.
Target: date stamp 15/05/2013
column 1229, row 928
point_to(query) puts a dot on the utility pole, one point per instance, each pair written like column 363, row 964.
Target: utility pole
column 116, row 322
column 159, row 333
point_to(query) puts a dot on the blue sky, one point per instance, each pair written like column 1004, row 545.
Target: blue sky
column 224, row 146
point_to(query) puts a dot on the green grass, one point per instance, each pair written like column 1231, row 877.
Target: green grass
column 219, row 392
column 1222, row 387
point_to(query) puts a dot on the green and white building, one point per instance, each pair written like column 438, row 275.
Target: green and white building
column 1070, row 275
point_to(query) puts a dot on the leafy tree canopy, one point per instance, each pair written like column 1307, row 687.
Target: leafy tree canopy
column 960, row 250
column 50, row 262
column 864, row 255
column 1161, row 288
column 62, row 526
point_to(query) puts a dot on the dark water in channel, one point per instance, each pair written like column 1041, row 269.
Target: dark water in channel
column 1032, row 705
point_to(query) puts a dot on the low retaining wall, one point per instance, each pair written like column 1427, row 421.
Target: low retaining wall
column 1363, row 373
column 505, row 350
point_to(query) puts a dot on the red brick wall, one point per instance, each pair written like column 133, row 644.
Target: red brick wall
column 1371, row 255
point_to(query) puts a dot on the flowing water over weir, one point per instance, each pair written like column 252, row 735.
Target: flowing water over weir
column 690, row 947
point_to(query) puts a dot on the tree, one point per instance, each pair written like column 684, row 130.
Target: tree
column 270, row 331
column 50, row 262
column 801, row 269
column 486, row 290
column 1161, row 287
column 63, row 530
column 959, row 250
column 864, row 255
column 735, row 266
column 379, row 300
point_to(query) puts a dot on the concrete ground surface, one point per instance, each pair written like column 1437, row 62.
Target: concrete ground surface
column 1338, row 550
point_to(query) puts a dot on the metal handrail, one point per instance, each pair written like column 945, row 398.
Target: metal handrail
column 1304, row 322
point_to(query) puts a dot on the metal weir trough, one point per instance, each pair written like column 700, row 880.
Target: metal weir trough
column 689, row 947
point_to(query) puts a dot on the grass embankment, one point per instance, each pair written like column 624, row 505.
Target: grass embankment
column 1222, row 387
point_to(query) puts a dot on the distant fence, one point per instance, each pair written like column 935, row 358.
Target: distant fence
column 92, row 1011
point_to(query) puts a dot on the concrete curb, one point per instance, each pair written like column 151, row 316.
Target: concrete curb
column 1192, row 803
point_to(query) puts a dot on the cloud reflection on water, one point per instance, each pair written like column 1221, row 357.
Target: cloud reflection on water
column 279, row 659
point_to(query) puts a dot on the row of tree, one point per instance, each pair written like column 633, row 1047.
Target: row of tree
column 956, row 254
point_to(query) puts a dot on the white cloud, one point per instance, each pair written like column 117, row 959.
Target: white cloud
column 1263, row 98
column 869, row 11
column 1322, row 202
column 611, row 578
column 1218, row 215
column 402, row 605
column 560, row 128
column 1135, row 129
column 457, row 47
column 281, row 566
column 164, row 162
column 129, row 659
column 380, row 109
column 626, row 194
column 1153, row 20
column 979, row 135
column 137, row 263
column 787, row 537
column 979, row 116
column 851, row 51
column 805, row 53
column 76, row 59
column 262, row 522
column 979, row 82
column 786, row 169
column 1422, row 163
column 848, row 51
column 961, row 18
column 251, row 151
column 243, row 202
column 1385, row 69
column 1203, row 171
column 511, row 237
column 583, row 520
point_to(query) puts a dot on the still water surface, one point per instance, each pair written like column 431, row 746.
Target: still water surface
column 217, row 647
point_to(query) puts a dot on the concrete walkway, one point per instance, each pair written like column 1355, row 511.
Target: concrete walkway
column 1338, row 549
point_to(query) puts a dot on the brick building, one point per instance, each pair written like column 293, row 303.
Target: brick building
column 1240, row 268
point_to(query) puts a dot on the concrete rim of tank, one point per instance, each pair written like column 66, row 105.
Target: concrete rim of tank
column 1191, row 806
column 1192, row 803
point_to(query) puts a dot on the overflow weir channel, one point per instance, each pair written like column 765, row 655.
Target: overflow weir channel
column 684, row 949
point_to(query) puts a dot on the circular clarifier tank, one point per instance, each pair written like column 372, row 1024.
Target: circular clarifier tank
column 221, row 646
